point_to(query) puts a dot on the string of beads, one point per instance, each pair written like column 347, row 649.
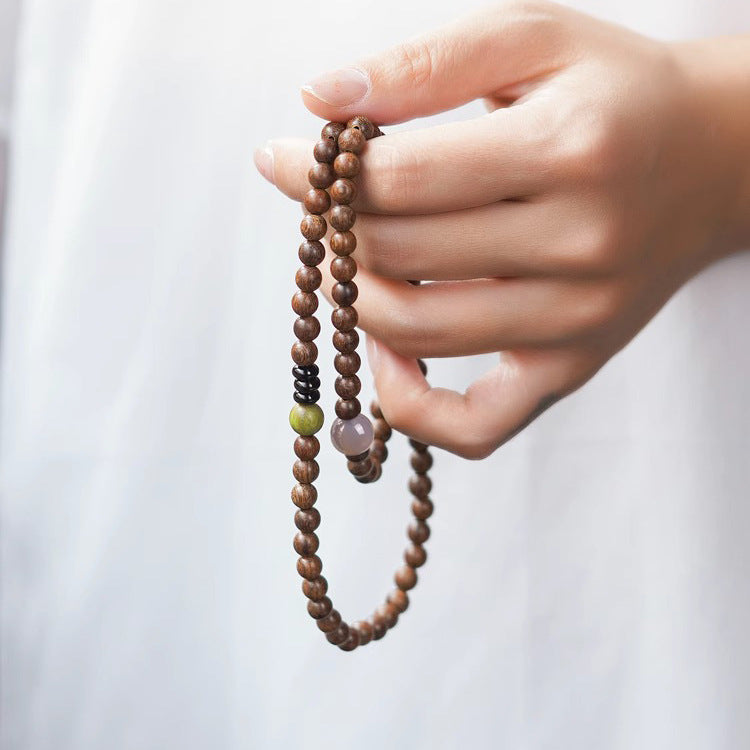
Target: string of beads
column 362, row 441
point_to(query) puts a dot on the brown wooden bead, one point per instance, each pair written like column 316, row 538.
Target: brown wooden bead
column 306, row 447
column 347, row 364
column 304, row 496
column 346, row 341
column 421, row 462
column 307, row 328
column 330, row 622
column 326, row 150
column 309, row 567
column 343, row 243
column 379, row 627
column 338, row 635
column 315, row 589
column 373, row 475
column 343, row 191
column 422, row 509
column 321, row 175
column 362, row 124
column 379, row 451
column 348, row 408
column 389, row 613
column 343, row 294
column 405, row 578
column 307, row 520
column 343, row 268
column 313, row 227
column 305, row 303
column 304, row 352
column 382, row 429
column 375, row 410
column 308, row 278
column 351, row 642
column 399, row 599
column 416, row 556
column 352, row 140
column 348, row 386
column 312, row 252
column 344, row 319
column 332, row 130
column 364, row 629
column 317, row 201
column 419, row 532
column 360, row 468
column 420, row 447
column 342, row 218
column 320, row 608
column 420, row 485
column 305, row 472
column 346, row 165
column 306, row 544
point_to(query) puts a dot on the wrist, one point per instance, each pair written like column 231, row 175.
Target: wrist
column 717, row 72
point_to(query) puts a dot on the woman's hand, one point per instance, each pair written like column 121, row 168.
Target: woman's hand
column 610, row 169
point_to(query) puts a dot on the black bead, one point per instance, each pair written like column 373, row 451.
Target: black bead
column 306, row 386
column 303, row 372
column 307, row 398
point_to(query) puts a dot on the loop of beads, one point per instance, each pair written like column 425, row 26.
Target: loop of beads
column 363, row 442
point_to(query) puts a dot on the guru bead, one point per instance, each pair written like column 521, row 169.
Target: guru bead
column 333, row 188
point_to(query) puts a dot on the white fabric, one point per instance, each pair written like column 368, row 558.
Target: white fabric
column 587, row 585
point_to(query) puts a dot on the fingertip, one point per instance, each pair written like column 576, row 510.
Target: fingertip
column 263, row 158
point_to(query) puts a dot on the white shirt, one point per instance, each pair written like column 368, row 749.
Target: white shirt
column 586, row 586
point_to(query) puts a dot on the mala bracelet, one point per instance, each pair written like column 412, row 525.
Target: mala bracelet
column 362, row 442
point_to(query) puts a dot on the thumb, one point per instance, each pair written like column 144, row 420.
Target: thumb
column 472, row 57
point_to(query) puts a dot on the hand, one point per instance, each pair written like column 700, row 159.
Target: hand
column 608, row 171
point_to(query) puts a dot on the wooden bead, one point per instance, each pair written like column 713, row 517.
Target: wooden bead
column 312, row 252
column 307, row 520
column 364, row 629
column 305, row 472
column 309, row 567
column 343, row 243
column 344, row 319
column 379, row 627
column 346, row 341
column 375, row 410
column 307, row 328
column 305, row 303
column 352, row 140
column 346, row 165
column 422, row 509
column 313, row 227
column 306, row 447
column 420, row 447
column 304, row 496
column 420, row 485
column 317, row 201
column 419, row 532
column 330, row 622
column 360, row 468
column 343, row 191
column 321, row 175
column 348, row 408
column 338, row 635
column 342, row 218
column 421, row 462
column 382, row 429
column 326, row 150
column 343, row 294
column 351, row 642
column 308, row 278
column 344, row 268
column 379, row 451
column 347, row 364
column 399, row 599
column 306, row 544
column 348, row 386
column 320, row 608
column 332, row 130
column 359, row 457
column 315, row 589
column 416, row 556
column 362, row 124
column 405, row 578
column 304, row 352
column 373, row 475
column 388, row 613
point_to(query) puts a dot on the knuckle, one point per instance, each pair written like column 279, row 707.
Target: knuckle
column 396, row 179
column 587, row 152
column 595, row 310
column 415, row 60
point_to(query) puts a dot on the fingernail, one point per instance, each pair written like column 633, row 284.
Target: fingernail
column 372, row 353
column 339, row 88
column 264, row 161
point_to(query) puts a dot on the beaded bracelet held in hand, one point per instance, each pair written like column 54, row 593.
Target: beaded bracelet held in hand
column 352, row 433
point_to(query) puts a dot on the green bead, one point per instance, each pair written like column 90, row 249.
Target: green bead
column 306, row 419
